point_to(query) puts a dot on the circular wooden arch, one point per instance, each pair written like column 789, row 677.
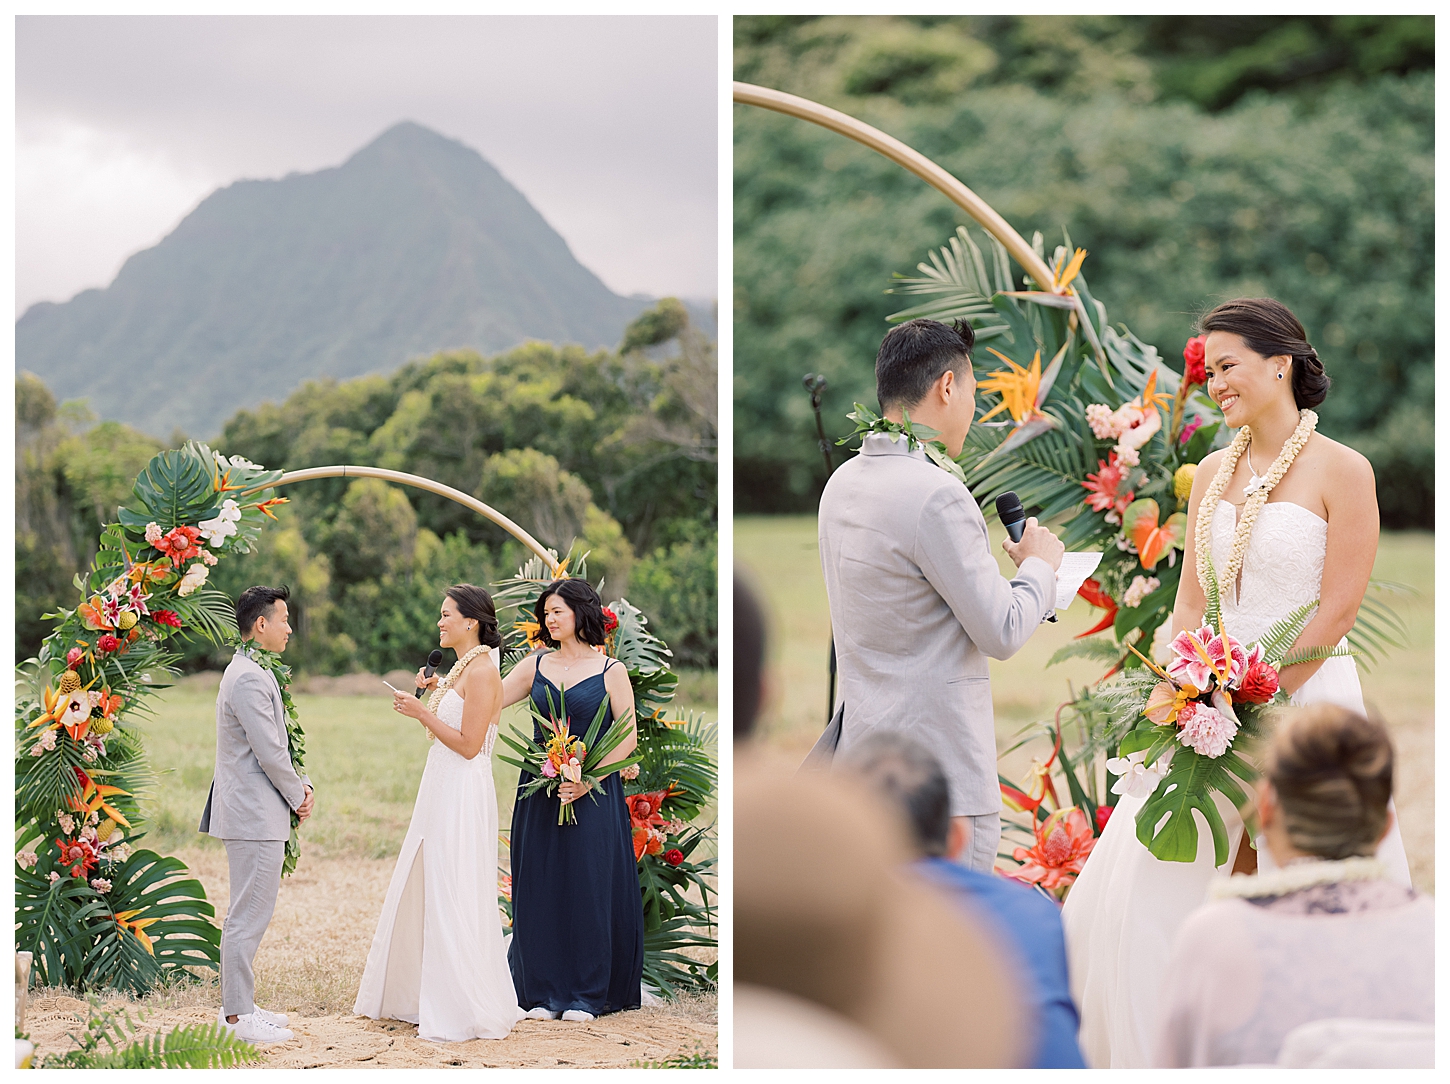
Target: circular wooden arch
column 909, row 159
column 417, row 481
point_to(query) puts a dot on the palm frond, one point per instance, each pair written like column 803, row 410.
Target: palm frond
column 1379, row 628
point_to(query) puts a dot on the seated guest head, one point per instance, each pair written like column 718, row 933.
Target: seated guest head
column 1327, row 784
column 749, row 659
column 907, row 776
column 925, row 369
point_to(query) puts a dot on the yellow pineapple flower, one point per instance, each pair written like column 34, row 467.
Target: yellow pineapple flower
column 1183, row 480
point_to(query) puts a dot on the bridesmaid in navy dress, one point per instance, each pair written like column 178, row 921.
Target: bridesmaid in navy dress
column 578, row 940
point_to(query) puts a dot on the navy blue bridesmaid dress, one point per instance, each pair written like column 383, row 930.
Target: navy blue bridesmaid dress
column 578, row 940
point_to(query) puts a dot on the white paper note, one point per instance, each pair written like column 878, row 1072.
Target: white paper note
column 1075, row 568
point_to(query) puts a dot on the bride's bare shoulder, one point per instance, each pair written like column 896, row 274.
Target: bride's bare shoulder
column 1339, row 463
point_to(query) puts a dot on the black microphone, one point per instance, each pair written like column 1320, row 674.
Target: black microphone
column 434, row 658
column 1012, row 514
column 1014, row 518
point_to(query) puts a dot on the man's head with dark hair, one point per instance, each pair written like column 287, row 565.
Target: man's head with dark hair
column 268, row 604
column 913, row 357
column 906, row 774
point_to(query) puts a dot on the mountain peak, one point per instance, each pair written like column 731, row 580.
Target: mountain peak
column 415, row 244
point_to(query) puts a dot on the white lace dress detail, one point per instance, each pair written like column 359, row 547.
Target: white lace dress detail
column 1123, row 914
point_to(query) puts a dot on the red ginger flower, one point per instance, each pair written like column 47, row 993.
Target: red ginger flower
column 167, row 617
column 611, row 622
column 1260, row 683
column 1064, row 842
column 107, row 643
column 674, row 856
column 1101, row 816
column 1194, row 371
column 1105, row 488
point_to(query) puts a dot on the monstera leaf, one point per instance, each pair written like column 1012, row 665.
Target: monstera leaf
column 1140, row 522
column 178, row 486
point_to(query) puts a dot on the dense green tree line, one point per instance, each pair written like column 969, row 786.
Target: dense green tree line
column 1320, row 194
column 610, row 451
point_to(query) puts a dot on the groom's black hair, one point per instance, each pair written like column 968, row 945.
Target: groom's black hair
column 257, row 602
column 913, row 357
column 904, row 772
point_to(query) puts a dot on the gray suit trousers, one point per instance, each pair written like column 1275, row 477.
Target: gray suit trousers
column 981, row 852
column 255, row 867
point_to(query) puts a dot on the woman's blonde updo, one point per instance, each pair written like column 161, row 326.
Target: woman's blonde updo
column 1333, row 771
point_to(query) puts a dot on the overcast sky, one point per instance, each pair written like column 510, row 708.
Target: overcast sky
column 124, row 124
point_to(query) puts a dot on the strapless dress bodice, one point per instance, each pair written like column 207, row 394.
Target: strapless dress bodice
column 1283, row 568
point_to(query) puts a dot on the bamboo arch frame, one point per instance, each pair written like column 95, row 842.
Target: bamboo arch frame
column 911, row 160
column 417, row 482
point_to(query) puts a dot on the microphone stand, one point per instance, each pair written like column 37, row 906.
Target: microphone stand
column 815, row 383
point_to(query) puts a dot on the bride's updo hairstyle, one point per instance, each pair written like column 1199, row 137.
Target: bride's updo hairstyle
column 587, row 607
column 1333, row 771
column 1270, row 329
column 476, row 604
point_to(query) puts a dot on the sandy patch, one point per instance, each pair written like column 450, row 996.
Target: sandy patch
column 310, row 964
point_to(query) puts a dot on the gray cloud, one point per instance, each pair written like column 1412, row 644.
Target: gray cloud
column 606, row 123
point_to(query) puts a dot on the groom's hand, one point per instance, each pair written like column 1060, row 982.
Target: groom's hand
column 305, row 809
column 1036, row 542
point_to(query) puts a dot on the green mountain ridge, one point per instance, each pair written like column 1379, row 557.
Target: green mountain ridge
column 415, row 244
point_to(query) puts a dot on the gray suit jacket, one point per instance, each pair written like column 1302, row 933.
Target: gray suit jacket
column 254, row 787
column 918, row 605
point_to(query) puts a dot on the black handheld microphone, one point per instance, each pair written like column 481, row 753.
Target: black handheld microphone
column 1012, row 514
column 1014, row 518
column 434, row 658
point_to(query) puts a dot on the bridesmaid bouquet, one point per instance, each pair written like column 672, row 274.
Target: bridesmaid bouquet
column 1185, row 739
column 564, row 756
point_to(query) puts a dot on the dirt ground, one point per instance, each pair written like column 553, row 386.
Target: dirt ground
column 310, row 964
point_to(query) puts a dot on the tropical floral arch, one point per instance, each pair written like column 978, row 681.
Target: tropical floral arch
column 98, row 910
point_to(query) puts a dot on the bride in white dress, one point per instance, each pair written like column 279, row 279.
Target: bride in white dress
column 438, row 959
column 1282, row 509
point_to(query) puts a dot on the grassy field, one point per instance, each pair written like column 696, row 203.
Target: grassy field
column 780, row 556
column 364, row 761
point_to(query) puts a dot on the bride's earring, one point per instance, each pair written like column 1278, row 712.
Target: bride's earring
column 1281, row 376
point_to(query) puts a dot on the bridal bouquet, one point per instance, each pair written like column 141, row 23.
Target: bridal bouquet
column 564, row 756
column 1186, row 738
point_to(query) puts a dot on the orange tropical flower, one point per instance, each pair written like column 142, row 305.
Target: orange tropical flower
column 1107, row 489
column 265, row 507
column 94, row 797
column 129, row 923
column 1018, row 388
column 1064, row 842
column 1096, row 596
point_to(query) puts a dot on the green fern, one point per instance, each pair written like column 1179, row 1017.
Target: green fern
column 1099, row 647
column 1281, row 636
column 109, row 1042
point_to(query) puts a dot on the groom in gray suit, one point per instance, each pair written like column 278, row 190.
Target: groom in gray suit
column 253, row 793
column 918, row 604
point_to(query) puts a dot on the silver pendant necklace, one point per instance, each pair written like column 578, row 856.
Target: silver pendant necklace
column 1255, row 482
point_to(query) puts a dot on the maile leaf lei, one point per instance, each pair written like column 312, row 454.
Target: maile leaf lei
column 917, row 436
column 272, row 662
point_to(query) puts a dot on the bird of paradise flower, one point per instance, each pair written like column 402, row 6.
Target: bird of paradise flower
column 1023, row 390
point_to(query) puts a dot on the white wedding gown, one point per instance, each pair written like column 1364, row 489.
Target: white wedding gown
column 1125, row 909
column 438, row 958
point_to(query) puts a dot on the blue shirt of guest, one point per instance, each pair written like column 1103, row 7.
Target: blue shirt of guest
column 1033, row 925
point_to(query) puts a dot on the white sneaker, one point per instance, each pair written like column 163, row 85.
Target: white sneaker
column 578, row 1016
column 253, row 1029
column 278, row 1018
column 540, row 1013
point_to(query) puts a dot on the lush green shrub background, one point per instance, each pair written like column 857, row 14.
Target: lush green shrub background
column 1315, row 188
column 610, row 451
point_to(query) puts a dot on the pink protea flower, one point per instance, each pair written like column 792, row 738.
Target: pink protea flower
column 1199, row 656
column 1205, row 730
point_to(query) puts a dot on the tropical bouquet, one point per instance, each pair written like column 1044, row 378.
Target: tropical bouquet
column 1206, row 706
column 94, row 907
column 668, row 788
column 564, row 756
